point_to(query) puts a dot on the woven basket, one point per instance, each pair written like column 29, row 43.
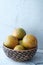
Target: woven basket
column 21, row 55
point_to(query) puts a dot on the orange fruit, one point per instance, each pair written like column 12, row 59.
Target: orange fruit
column 19, row 47
column 20, row 42
column 11, row 41
column 19, row 33
column 29, row 41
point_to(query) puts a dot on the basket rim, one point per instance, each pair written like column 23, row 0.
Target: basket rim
column 19, row 50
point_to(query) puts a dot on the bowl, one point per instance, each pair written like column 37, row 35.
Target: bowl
column 20, row 55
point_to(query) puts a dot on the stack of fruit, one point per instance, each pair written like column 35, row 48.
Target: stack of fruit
column 19, row 40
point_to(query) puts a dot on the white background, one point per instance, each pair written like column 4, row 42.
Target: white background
column 21, row 13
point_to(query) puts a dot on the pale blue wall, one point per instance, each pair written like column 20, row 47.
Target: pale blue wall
column 22, row 13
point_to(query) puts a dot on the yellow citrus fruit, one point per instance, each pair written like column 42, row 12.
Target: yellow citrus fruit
column 11, row 41
column 19, row 47
column 29, row 41
column 19, row 33
column 20, row 42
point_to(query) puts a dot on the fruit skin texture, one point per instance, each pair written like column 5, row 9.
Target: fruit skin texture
column 19, row 33
column 29, row 41
column 11, row 41
column 20, row 42
column 19, row 47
